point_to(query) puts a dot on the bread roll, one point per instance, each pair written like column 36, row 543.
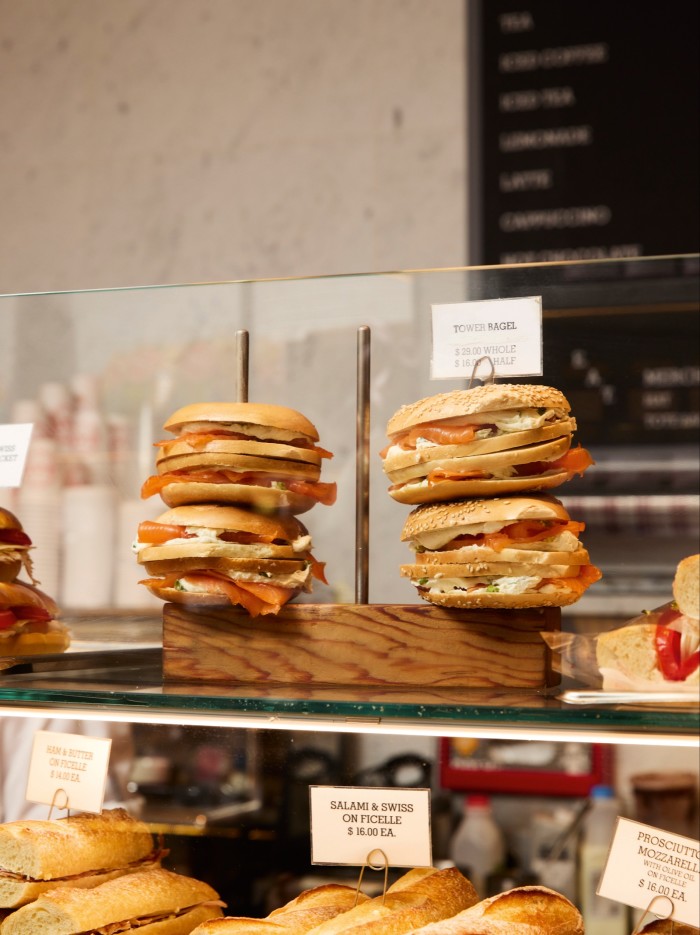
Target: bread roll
column 686, row 586
column 80, row 851
column 305, row 912
column 527, row 910
column 153, row 902
column 422, row 895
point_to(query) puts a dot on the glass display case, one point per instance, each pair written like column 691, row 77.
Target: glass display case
column 97, row 373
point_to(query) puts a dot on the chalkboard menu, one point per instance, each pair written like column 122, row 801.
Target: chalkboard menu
column 584, row 129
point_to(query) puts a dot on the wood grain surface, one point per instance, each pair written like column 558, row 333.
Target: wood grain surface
column 360, row 645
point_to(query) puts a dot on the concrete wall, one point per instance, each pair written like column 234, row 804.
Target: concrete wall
column 150, row 141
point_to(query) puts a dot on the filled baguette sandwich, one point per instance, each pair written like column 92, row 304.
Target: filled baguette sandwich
column 28, row 624
column 14, row 548
column 213, row 555
column 252, row 453
column 659, row 651
column 486, row 441
column 150, row 902
column 526, row 910
column 420, row 896
column 518, row 551
column 80, row 851
column 297, row 917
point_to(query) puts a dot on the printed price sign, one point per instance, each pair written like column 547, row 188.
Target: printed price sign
column 14, row 444
column 509, row 331
column 646, row 865
column 68, row 771
column 349, row 822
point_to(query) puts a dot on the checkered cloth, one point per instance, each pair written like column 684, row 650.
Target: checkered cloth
column 660, row 515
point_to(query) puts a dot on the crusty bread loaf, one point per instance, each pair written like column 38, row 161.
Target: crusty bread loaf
column 492, row 397
column 153, row 893
column 422, row 895
column 526, row 910
column 669, row 927
column 47, row 854
column 686, row 586
column 296, row 917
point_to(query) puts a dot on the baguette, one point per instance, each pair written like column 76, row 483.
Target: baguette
column 79, row 851
column 154, row 902
column 526, row 910
column 420, row 896
column 305, row 912
column 669, row 927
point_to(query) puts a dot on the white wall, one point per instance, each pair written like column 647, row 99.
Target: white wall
column 149, row 141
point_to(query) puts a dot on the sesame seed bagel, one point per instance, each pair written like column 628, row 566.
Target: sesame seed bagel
column 487, row 398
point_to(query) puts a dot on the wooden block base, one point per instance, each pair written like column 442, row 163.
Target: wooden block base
column 409, row 645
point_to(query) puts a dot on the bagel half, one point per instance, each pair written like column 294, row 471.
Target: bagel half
column 517, row 551
column 252, row 453
column 219, row 555
column 486, row 441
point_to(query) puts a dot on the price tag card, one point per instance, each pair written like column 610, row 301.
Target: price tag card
column 14, row 445
column 68, row 771
column 647, row 865
column 349, row 822
column 509, row 331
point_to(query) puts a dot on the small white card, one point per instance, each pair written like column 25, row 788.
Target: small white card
column 509, row 331
column 349, row 822
column 68, row 771
column 646, row 864
column 14, row 445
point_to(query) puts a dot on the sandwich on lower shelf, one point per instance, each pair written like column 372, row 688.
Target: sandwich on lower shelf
column 150, row 902
column 81, row 851
column 14, row 548
column 486, row 441
column 297, row 917
column 660, row 651
column 527, row 910
column 517, row 551
column 211, row 555
column 253, row 453
column 28, row 624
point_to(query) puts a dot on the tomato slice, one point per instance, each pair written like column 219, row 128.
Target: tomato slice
column 7, row 619
column 668, row 650
column 30, row 612
column 14, row 537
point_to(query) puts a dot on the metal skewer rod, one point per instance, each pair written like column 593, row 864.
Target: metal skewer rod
column 242, row 366
column 362, row 467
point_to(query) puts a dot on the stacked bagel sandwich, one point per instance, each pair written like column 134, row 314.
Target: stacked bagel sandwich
column 28, row 624
column 235, row 476
column 478, row 466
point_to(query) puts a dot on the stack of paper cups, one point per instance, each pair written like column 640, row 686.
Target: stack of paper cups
column 129, row 593
column 89, row 522
column 38, row 508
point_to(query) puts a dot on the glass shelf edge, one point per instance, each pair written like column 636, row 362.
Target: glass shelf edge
column 380, row 725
